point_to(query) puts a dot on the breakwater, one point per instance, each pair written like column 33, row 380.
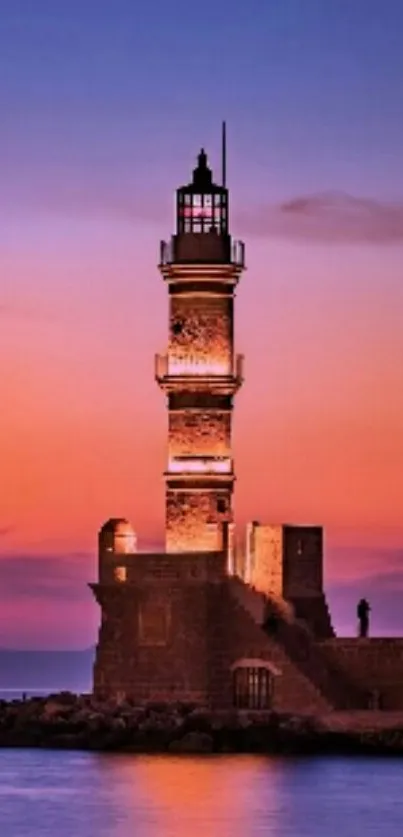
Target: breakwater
column 69, row 721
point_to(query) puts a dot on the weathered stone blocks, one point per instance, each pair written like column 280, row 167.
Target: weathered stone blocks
column 201, row 330
column 192, row 520
column 199, row 433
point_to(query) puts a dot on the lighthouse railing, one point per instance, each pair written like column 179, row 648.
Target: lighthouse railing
column 236, row 255
column 166, row 252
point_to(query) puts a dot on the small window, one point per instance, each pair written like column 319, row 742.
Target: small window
column 120, row 574
column 252, row 688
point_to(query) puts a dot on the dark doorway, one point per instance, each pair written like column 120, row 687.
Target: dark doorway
column 252, row 688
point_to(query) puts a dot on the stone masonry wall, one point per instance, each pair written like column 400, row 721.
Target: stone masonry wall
column 150, row 569
column 234, row 635
column 153, row 636
column 190, row 659
column 130, row 663
column 267, row 559
column 302, row 561
column 376, row 664
column 189, row 516
column 201, row 330
column 199, row 433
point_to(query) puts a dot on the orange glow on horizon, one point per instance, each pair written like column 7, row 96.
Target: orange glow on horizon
column 318, row 433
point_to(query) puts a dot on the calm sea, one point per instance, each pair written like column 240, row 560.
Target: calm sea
column 48, row 793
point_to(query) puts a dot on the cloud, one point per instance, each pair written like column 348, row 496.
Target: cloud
column 329, row 217
column 347, row 564
column 326, row 217
column 36, row 593
column 60, row 577
column 6, row 530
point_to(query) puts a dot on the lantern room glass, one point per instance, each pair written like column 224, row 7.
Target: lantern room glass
column 202, row 212
column 202, row 205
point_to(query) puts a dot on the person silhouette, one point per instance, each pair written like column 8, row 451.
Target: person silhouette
column 363, row 610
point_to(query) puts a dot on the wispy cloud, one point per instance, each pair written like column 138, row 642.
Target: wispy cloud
column 351, row 563
column 326, row 217
column 329, row 217
column 35, row 576
column 6, row 530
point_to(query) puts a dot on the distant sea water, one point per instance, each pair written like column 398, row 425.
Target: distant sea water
column 43, row 672
column 43, row 793
column 18, row 693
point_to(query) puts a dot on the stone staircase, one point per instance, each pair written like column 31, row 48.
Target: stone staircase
column 293, row 636
column 294, row 690
column 314, row 611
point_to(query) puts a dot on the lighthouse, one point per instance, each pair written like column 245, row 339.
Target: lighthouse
column 180, row 626
column 200, row 372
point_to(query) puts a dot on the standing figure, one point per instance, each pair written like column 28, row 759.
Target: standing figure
column 363, row 609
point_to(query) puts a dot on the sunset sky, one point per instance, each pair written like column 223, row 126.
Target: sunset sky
column 104, row 106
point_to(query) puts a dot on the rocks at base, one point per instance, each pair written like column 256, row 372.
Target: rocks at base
column 192, row 742
column 82, row 722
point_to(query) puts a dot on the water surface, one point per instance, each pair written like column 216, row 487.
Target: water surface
column 64, row 794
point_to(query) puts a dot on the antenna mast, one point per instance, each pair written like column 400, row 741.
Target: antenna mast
column 224, row 155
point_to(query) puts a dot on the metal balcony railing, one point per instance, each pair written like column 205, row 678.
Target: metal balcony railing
column 237, row 253
column 166, row 252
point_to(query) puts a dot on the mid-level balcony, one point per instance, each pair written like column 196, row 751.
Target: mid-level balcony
column 200, row 465
column 173, row 373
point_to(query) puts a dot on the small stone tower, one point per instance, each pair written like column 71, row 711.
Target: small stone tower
column 286, row 562
column 200, row 372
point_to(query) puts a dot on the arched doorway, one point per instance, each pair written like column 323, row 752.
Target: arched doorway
column 252, row 684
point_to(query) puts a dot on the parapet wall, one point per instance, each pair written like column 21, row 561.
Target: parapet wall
column 170, row 568
column 375, row 664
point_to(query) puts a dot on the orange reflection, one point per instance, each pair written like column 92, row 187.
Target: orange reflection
column 186, row 796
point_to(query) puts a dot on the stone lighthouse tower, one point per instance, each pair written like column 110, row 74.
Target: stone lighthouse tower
column 200, row 373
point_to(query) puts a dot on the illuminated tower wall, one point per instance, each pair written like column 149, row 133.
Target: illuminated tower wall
column 200, row 372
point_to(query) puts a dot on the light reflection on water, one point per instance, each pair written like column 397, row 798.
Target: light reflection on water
column 48, row 793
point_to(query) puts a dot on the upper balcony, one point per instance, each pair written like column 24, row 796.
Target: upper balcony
column 202, row 248
column 175, row 374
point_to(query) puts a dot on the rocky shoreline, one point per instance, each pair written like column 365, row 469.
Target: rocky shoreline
column 67, row 721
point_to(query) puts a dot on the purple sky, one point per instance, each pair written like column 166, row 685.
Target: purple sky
column 104, row 107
